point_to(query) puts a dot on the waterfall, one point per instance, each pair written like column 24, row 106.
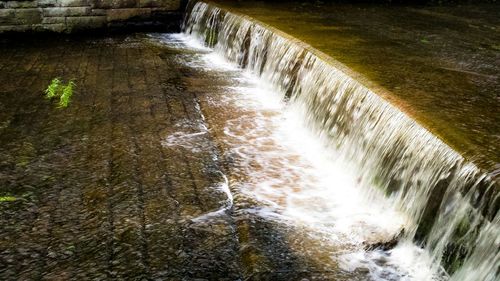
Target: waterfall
column 451, row 205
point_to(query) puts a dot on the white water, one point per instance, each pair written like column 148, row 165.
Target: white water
column 296, row 181
column 326, row 158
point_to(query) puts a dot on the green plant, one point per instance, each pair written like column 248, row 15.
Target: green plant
column 67, row 92
column 57, row 88
column 53, row 88
column 7, row 198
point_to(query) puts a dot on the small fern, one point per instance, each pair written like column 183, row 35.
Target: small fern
column 53, row 88
column 67, row 92
column 57, row 88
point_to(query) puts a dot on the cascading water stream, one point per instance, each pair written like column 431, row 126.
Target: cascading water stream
column 450, row 206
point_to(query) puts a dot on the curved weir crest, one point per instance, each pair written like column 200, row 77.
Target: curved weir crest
column 450, row 207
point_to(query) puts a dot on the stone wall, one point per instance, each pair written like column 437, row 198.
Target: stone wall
column 75, row 15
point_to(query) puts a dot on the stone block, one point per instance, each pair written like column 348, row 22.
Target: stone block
column 56, row 27
column 29, row 16
column 86, row 22
column 161, row 10
column 66, row 11
column 20, row 4
column 124, row 14
column 74, row 3
column 47, row 3
column 98, row 12
column 115, row 4
column 7, row 16
column 54, row 20
column 167, row 4
column 14, row 28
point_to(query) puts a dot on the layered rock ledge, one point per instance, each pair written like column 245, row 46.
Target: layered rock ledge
column 77, row 15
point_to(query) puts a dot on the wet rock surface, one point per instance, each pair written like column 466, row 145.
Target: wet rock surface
column 98, row 196
column 100, row 191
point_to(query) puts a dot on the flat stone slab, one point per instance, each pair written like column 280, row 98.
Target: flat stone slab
column 97, row 195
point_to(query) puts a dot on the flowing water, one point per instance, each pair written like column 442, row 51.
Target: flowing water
column 230, row 151
column 415, row 56
column 320, row 150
